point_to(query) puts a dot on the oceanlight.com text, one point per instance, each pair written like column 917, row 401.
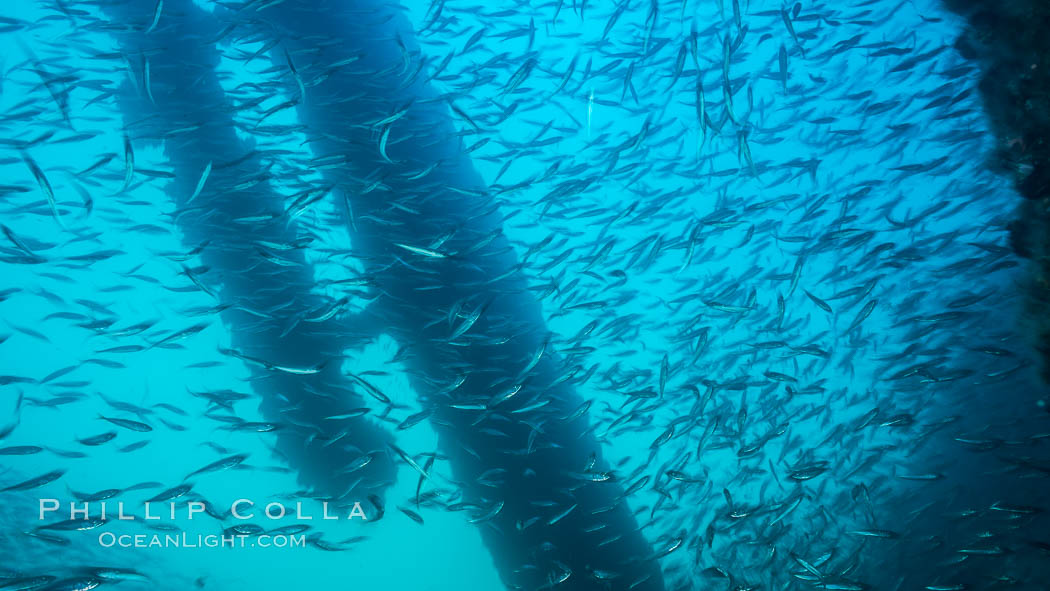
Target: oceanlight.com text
column 184, row 540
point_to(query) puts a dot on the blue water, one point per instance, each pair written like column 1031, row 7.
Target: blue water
column 672, row 255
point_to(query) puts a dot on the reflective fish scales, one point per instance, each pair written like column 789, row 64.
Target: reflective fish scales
column 634, row 295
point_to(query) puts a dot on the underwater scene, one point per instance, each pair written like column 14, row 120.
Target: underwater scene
column 536, row 295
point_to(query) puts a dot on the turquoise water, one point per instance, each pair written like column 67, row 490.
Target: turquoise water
column 735, row 297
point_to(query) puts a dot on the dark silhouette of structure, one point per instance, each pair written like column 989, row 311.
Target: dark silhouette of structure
column 449, row 288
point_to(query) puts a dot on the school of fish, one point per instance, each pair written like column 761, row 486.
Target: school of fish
column 679, row 294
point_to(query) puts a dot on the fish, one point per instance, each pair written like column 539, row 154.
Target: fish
column 20, row 450
column 819, row 302
column 128, row 424
column 519, row 76
column 35, row 482
column 99, row 439
column 129, row 159
column 863, row 314
column 45, row 187
column 426, row 252
column 219, row 465
column 156, row 16
column 782, row 58
column 200, row 182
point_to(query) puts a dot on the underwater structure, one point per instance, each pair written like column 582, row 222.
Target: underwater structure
column 1008, row 40
column 446, row 279
column 237, row 223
